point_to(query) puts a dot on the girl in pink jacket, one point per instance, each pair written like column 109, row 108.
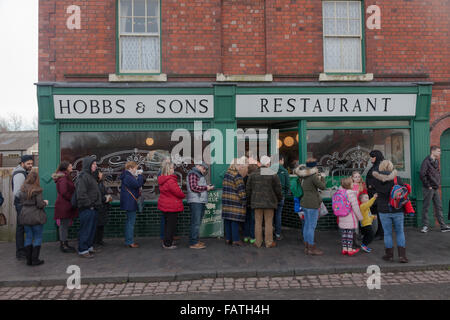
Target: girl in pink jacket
column 349, row 223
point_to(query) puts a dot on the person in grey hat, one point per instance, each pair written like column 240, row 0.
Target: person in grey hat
column 197, row 198
column 18, row 177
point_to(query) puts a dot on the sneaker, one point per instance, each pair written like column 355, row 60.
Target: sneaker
column 197, row 246
column 86, row 255
column 445, row 229
column 246, row 240
column 424, row 229
column 366, row 248
column 252, row 241
column 278, row 237
column 170, row 248
column 352, row 252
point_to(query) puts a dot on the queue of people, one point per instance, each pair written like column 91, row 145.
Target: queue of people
column 252, row 201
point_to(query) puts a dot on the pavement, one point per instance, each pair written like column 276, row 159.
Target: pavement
column 150, row 263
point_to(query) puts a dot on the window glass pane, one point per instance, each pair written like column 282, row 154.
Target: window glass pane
column 355, row 28
column 139, row 25
column 139, row 8
column 341, row 9
column 126, row 25
column 328, row 9
column 289, row 148
column 331, row 54
column 342, row 27
column 329, row 27
column 113, row 149
column 339, row 152
column 351, row 54
column 130, row 50
column 125, row 8
column 354, row 9
column 152, row 25
column 150, row 53
column 152, row 8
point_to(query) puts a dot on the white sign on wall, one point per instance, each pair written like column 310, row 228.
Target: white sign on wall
column 325, row 105
column 133, row 106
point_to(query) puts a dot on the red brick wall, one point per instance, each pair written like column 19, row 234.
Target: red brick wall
column 280, row 37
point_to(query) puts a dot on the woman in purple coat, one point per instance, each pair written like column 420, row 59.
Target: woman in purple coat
column 64, row 212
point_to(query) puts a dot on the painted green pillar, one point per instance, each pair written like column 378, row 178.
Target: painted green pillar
column 421, row 145
column 224, row 118
column 48, row 156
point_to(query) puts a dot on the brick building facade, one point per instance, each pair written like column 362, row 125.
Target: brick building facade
column 261, row 43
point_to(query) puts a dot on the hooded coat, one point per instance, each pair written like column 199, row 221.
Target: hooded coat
column 263, row 191
column 383, row 183
column 88, row 192
column 311, row 181
column 65, row 189
column 170, row 195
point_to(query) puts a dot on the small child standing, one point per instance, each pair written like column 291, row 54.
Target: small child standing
column 349, row 222
column 366, row 223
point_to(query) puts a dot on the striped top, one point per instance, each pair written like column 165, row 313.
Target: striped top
column 233, row 196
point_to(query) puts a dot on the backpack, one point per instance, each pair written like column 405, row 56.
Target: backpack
column 398, row 196
column 341, row 205
column 296, row 188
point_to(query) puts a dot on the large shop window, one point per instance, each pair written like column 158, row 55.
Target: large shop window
column 342, row 36
column 113, row 149
column 339, row 152
column 139, row 36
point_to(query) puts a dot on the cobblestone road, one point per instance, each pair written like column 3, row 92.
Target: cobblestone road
column 218, row 285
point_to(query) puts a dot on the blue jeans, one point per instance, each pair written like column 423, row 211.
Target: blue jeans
column 88, row 226
column 249, row 224
column 33, row 235
column 387, row 219
column 231, row 230
column 309, row 225
column 277, row 219
column 197, row 212
column 129, row 227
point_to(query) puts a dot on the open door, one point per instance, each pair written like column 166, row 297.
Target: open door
column 445, row 172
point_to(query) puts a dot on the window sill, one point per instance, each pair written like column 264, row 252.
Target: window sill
column 244, row 78
column 138, row 78
column 346, row 77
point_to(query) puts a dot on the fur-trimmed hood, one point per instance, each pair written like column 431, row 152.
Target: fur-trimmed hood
column 58, row 175
column 302, row 171
column 385, row 176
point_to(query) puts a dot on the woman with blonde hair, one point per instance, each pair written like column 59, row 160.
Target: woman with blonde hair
column 234, row 200
column 170, row 202
column 384, row 179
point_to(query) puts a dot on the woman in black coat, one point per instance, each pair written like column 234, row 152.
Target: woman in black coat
column 375, row 157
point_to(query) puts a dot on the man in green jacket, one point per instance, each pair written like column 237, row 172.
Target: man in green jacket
column 283, row 175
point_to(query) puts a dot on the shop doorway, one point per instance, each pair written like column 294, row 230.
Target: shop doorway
column 445, row 171
column 287, row 143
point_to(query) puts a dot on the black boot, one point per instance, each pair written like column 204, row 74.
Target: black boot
column 35, row 256
column 69, row 248
column 28, row 254
column 63, row 247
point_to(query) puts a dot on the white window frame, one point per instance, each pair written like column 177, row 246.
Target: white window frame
column 360, row 37
column 140, row 34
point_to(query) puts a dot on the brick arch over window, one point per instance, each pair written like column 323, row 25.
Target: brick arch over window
column 438, row 127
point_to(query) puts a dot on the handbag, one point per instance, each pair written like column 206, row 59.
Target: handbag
column 323, row 211
column 139, row 201
column 32, row 217
column 3, row 221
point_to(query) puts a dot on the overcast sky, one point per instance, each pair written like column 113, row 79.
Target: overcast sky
column 18, row 58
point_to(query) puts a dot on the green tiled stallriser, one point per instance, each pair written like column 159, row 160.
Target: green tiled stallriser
column 148, row 222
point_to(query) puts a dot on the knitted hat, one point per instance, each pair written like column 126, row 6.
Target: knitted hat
column 25, row 158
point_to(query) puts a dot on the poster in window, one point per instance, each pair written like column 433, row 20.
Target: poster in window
column 397, row 151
